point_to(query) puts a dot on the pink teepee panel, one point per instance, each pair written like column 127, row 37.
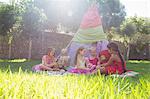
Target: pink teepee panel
column 91, row 18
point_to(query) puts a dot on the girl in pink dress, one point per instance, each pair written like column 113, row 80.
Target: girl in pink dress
column 80, row 63
column 92, row 60
column 48, row 62
column 116, row 63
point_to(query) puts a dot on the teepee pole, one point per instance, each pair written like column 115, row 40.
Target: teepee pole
column 68, row 44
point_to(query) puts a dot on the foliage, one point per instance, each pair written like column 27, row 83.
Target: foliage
column 135, row 25
column 32, row 19
column 128, row 28
column 21, row 17
column 112, row 12
column 7, row 18
column 68, row 14
column 141, row 40
column 142, row 24
column 134, row 30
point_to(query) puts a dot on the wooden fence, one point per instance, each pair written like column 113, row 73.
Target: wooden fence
column 21, row 47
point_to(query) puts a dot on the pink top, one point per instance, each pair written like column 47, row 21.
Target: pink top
column 47, row 59
column 93, row 61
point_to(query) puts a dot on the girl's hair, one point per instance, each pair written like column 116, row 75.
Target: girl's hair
column 64, row 52
column 77, row 53
column 115, row 47
column 50, row 50
column 92, row 49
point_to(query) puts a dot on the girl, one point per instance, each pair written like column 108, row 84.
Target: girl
column 92, row 60
column 116, row 63
column 48, row 62
column 80, row 62
column 63, row 61
column 104, row 56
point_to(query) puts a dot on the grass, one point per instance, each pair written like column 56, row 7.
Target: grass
column 22, row 83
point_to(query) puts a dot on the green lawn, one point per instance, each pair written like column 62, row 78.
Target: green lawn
column 16, row 83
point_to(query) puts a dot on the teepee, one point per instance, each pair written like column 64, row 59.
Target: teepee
column 90, row 33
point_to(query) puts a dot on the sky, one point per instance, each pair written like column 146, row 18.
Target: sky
column 137, row 7
column 132, row 7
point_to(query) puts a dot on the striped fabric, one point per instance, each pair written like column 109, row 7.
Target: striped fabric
column 90, row 28
column 89, row 35
column 91, row 18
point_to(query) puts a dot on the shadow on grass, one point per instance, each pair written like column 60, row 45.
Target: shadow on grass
column 26, row 66
column 14, row 65
column 142, row 67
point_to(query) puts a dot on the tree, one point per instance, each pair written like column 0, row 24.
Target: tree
column 142, row 37
column 112, row 12
column 32, row 22
column 7, row 18
column 127, row 30
column 135, row 30
column 7, row 22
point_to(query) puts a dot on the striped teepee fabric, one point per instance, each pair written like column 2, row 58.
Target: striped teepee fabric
column 90, row 28
column 89, row 33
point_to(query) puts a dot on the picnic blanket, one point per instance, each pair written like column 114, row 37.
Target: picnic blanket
column 63, row 72
column 126, row 74
column 58, row 73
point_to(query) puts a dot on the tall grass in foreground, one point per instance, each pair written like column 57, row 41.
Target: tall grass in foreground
column 23, row 85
